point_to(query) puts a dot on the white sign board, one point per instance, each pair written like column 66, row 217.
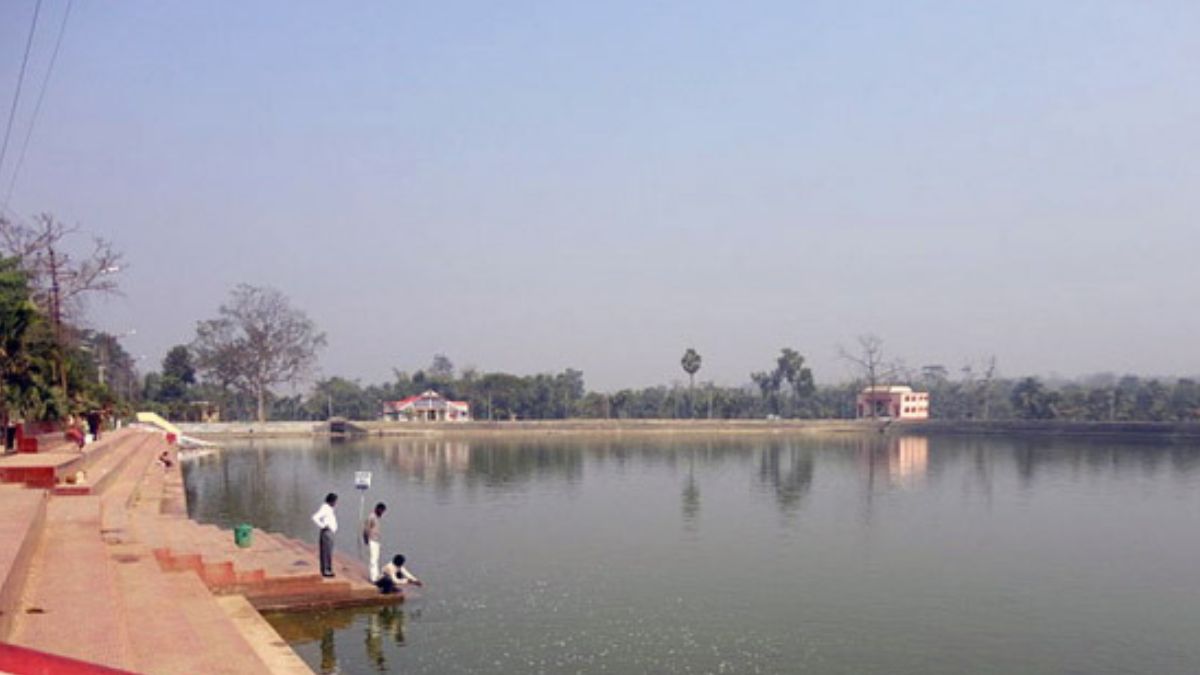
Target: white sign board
column 362, row 479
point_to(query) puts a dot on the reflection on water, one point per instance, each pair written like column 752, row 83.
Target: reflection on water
column 720, row 554
column 789, row 472
column 691, row 493
column 382, row 629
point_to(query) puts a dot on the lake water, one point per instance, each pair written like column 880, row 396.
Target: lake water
column 747, row 555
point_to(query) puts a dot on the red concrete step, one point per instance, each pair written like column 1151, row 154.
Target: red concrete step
column 179, row 546
column 307, row 602
column 110, row 472
column 19, row 660
column 225, row 567
column 22, row 518
column 267, row 642
column 71, row 605
column 175, row 624
column 118, row 497
column 161, row 641
column 41, row 470
column 96, row 460
column 265, row 552
column 227, row 649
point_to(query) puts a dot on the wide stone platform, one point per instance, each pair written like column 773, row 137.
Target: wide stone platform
column 110, row 571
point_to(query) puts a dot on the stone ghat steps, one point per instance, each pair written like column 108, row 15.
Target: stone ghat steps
column 111, row 604
column 70, row 605
column 175, row 624
column 41, row 470
column 266, row 642
column 24, row 514
column 136, row 476
column 56, row 468
column 103, row 465
column 274, row 573
column 89, row 590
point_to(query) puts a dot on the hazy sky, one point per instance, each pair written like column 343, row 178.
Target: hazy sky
column 527, row 186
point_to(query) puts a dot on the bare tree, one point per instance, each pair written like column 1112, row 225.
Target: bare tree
column 58, row 279
column 259, row 341
column 873, row 368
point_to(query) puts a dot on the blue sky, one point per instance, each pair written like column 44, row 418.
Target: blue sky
column 534, row 186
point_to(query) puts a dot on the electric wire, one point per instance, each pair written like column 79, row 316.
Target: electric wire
column 62, row 29
column 12, row 113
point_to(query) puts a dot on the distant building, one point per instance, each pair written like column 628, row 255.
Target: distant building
column 202, row 411
column 429, row 406
column 901, row 403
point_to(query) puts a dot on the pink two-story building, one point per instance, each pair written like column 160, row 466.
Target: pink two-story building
column 901, row 403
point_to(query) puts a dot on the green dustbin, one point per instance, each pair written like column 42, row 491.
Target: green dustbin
column 242, row 534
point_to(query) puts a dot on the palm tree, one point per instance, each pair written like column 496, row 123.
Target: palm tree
column 691, row 364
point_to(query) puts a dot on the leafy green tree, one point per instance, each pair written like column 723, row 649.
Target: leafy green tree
column 178, row 366
column 1033, row 401
column 339, row 397
column 790, row 368
column 1185, row 400
column 500, row 396
column 768, row 384
column 441, row 369
column 17, row 313
column 1153, row 402
column 569, row 389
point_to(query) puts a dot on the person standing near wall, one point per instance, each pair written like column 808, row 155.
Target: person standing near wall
column 370, row 535
column 326, row 520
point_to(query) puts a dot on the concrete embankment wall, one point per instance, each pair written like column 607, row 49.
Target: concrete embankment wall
column 380, row 428
column 1148, row 430
column 253, row 428
column 1163, row 430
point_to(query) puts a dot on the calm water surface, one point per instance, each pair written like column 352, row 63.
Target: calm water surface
column 764, row 555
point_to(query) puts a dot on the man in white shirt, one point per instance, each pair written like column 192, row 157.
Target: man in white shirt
column 326, row 519
column 395, row 575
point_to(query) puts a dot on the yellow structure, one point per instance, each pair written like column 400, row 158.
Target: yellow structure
column 158, row 421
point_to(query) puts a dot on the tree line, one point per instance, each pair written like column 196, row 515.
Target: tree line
column 786, row 390
column 254, row 358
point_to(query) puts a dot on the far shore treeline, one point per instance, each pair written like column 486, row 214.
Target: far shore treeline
column 246, row 362
column 549, row 396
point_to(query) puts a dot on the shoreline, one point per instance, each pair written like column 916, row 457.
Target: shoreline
column 673, row 427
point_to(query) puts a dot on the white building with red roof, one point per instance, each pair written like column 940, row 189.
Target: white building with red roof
column 428, row 406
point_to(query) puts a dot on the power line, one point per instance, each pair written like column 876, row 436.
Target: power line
column 12, row 113
column 62, row 29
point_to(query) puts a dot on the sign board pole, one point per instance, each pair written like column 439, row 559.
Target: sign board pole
column 362, row 482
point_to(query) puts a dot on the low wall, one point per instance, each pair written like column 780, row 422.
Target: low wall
column 253, row 428
column 1167, row 430
column 424, row 429
column 1164, row 430
column 667, row 426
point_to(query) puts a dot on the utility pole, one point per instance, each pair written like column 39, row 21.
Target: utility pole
column 56, row 316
